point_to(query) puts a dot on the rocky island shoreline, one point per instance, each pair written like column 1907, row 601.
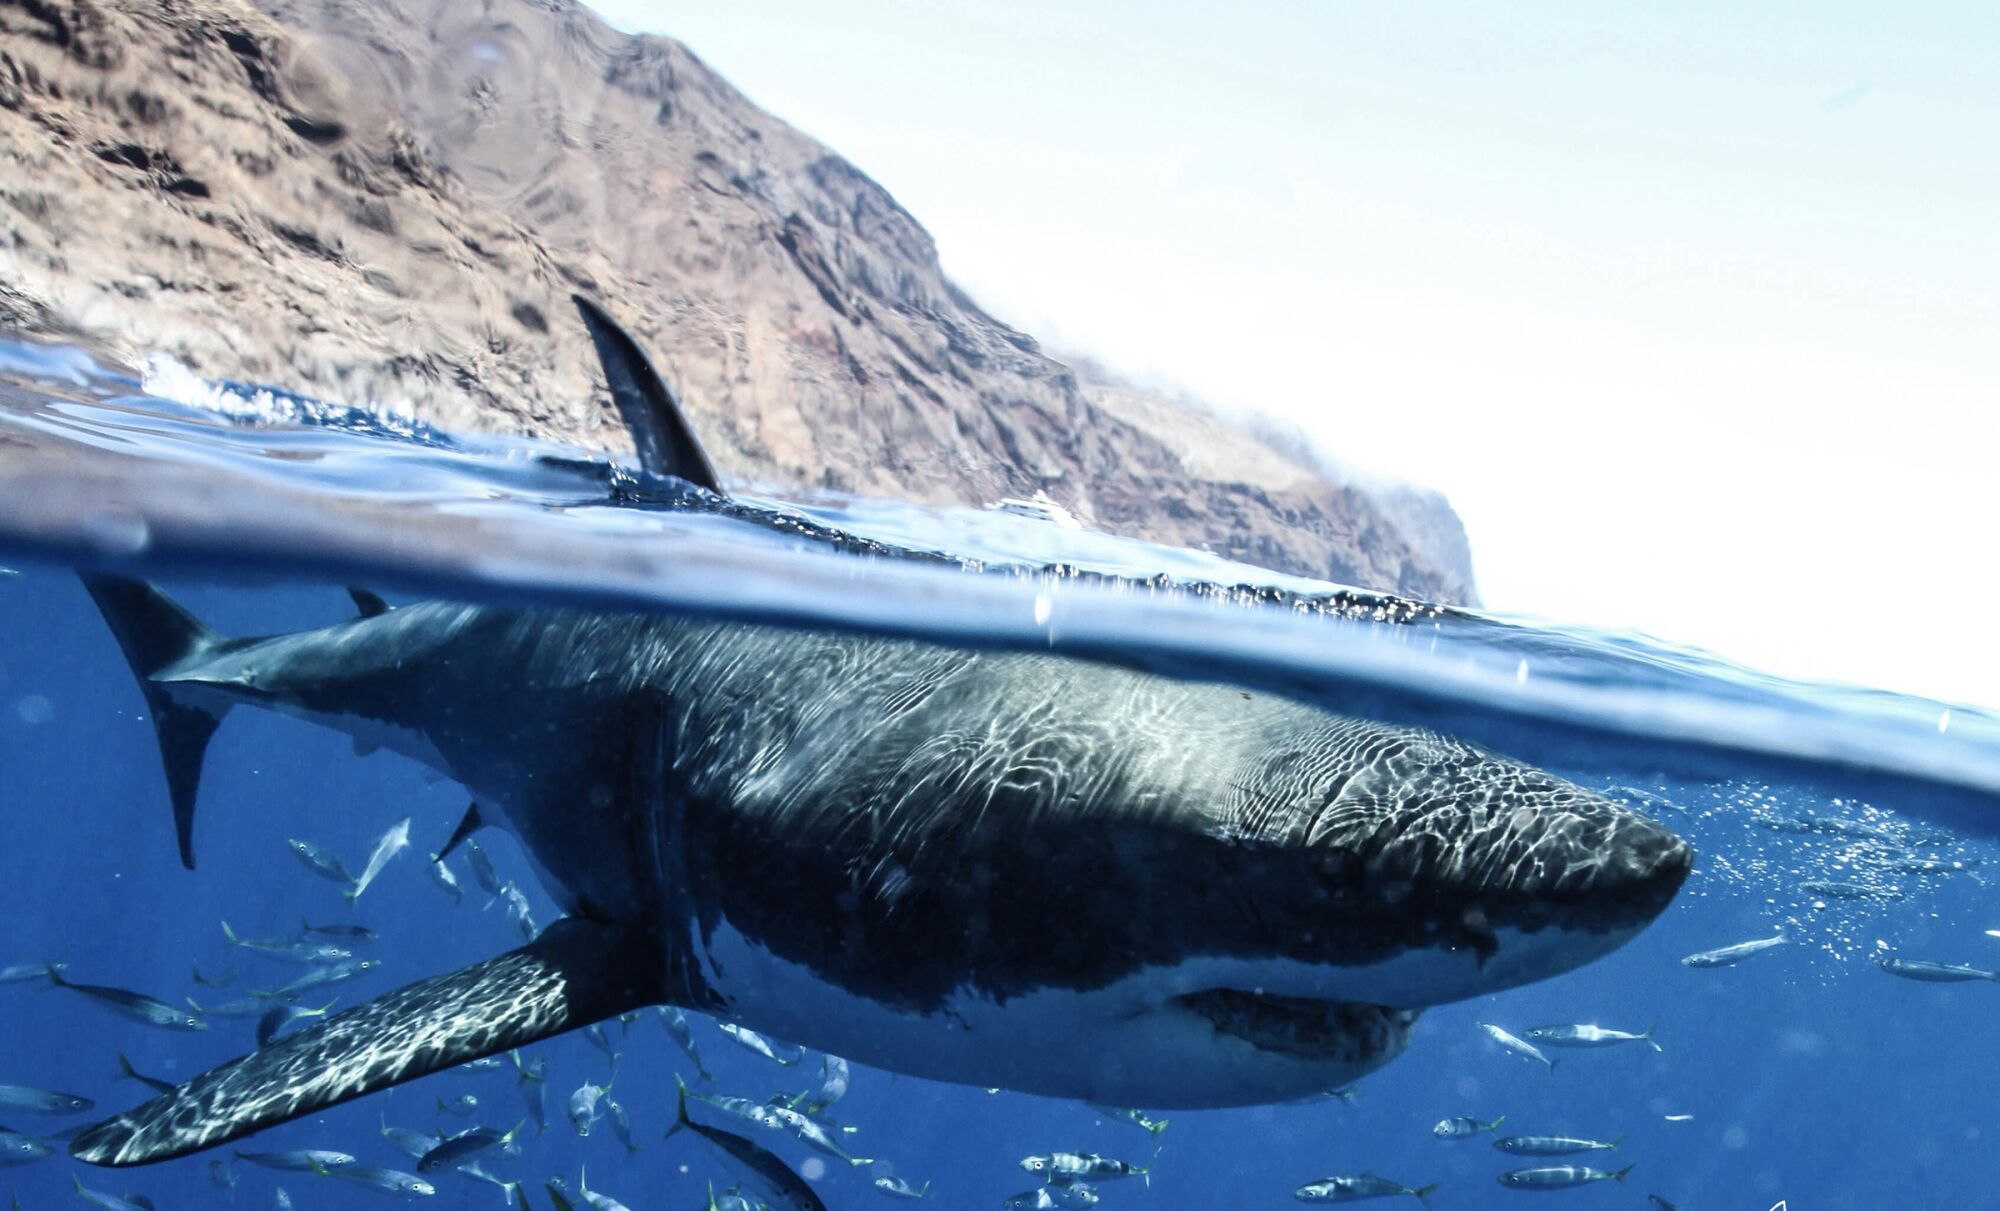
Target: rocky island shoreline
column 390, row 201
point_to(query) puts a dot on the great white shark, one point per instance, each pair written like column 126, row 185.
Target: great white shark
column 1007, row 869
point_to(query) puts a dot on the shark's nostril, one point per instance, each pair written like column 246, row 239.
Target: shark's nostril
column 1643, row 867
column 1655, row 853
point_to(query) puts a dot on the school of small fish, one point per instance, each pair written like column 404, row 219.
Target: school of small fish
column 752, row 1177
column 460, row 1148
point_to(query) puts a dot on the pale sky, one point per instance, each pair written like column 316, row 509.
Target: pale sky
column 1692, row 310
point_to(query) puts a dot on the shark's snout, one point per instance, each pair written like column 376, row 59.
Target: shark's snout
column 1488, row 874
column 1644, row 865
column 1587, row 876
column 1594, row 866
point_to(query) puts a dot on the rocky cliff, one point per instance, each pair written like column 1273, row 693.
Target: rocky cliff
column 391, row 200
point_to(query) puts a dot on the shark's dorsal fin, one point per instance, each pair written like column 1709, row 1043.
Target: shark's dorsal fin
column 576, row 973
column 660, row 433
column 369, row 604
column 155, row 633
column 468, row 824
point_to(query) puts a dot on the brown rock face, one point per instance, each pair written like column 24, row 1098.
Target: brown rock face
column 391, row 200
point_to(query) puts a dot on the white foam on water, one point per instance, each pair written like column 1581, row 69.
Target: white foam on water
column 165, row 376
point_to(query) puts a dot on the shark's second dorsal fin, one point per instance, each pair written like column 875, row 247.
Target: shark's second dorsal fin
column 468, row 824
column 665, row 442
column 368, row 604
column 576, row 973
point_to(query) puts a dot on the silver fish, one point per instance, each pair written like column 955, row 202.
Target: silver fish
column 108, row 1202
column 389, row 1181
column 1354, row 1187
column 442, row 876
column 814, row 1136
column 597, row 1038
column 1051, row 1198
column 774, row 1181
column 728, row 1200
column 1832, row 826
column 1838, row 889
column 358, row 933
column 583, row 1110
column 18, row 1149
column 393, row 842
column 336, row 973
column 302, row 1160
column 1461, row 1127
column 509, row 1190
column 594, row 1200
column 464, row 1105
column 518, row 911
column 1911, row 865
column 1138, row 1118
column 621, row 1126
column 290, row 949
column 414, row 1144
column 280, row 1016
column 1518, row 1046
column 321, row 862
column 227, row 977
column 134, row 1005
column 896, row 1187
column 834, row 1077
column 482, row 869
column 1588, row 1035
column 750, row 1040
column 1552, row 1145
column 1730, row 956
column 21, row 973
column 1559, row 1177
column 1072, row 1195
column 453, row 1151
column 42, row 1101
column 533, row 1079
column 1935, row 973
column 676, row 1023
column 1055, row 1165
column 756, row 1113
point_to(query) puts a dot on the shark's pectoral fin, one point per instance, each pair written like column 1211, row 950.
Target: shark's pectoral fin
column 665, row 442
column 576, row 973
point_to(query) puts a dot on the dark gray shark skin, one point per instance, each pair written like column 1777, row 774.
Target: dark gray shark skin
column 1002, row 869
column 999, row 868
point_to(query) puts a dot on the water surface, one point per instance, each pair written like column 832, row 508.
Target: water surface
column 1805, row 1074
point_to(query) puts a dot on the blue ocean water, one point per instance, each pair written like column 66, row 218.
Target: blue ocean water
column 1806, row 1074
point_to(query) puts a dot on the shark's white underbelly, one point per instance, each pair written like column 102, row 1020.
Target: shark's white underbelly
column 1126, row 1044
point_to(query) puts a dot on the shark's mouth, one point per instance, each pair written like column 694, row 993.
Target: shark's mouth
column 1302, row 1027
